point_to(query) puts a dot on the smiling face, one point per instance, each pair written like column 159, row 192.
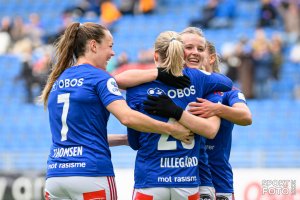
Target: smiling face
column 104, row 50
column 194, row 49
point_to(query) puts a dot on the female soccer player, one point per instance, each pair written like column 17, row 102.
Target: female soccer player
column 197, row 57
column 166, row 168
column 79, row 95
column 215, row 181
column 233, row 110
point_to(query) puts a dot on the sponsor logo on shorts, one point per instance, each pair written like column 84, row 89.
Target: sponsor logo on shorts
column 221, row 197
column 205, row 197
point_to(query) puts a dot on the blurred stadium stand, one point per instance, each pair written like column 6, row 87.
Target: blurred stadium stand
column 273, row 140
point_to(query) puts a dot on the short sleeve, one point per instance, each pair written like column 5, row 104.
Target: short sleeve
column 236, row 96
column 108, row 90
column 217, row 82
column 215, row 97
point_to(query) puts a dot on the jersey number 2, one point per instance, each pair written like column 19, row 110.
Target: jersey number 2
column 65, row 99
column 164, row 144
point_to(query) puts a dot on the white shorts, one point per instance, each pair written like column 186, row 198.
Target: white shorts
column 225, row 196
column 207, row 193
column 166, row 194
column 81, row 188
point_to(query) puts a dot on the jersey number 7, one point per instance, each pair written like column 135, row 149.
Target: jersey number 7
column 65, row 99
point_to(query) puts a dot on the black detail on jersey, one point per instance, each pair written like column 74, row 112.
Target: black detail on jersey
column 205, row 197
column 221, row 197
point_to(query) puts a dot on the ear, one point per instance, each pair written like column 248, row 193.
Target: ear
column 155, row 56
column 93, row 46
column 212, row 59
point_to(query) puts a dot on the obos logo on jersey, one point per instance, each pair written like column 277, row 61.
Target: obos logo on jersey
column 179, row 93
column 66, row 83
column 112, row 86
column 54, row 86
column 155, row 91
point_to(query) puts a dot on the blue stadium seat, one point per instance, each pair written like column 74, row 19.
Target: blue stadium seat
column 273, row 140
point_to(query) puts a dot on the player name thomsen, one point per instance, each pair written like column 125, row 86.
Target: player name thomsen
column 67, row 152
column 172, row 162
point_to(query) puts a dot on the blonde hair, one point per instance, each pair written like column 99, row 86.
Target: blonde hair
column 68, row 48
column 209, row 45
column 192, row 30
column 195, row 31
column 212, row 52
column 170, row 49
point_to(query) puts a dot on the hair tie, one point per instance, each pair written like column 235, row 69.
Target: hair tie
column 172, row 39
column 78, row 27
column 75, row 39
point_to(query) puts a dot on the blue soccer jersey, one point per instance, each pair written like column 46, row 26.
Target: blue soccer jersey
column 163, row 161
column 78, row 118
column 218, row 149
column 204, row 171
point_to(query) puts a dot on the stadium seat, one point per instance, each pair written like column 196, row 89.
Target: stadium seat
column 24, row 128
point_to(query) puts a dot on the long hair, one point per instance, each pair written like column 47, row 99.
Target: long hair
column 68, row 48
column 170, row 49
column 212, row 52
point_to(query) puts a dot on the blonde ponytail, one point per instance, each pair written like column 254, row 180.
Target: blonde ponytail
column 170, row 49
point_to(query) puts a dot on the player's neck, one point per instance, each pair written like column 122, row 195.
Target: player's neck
column 82, row 61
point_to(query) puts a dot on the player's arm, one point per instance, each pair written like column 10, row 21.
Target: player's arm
column 144, row 123
column 216, row 82
column 165, row 107
column 131, row 78
column 117, row 139
column 239, row 113
column 134, row 77
column 207, row 127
